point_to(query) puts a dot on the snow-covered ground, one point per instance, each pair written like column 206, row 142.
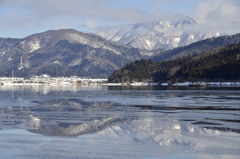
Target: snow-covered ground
column 202, row 84
column 49, row 81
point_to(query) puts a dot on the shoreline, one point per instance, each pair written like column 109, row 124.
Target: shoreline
column 68, row 81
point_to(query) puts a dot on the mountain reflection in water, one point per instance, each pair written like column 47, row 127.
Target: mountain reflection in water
column 202, row 122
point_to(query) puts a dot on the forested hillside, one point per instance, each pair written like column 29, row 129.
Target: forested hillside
column 219, row 64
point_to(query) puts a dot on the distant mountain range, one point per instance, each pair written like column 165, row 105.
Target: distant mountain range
column 69, row 52
column 158, row 34
column 64, row 53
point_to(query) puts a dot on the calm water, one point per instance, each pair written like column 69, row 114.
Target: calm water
column 119, row 122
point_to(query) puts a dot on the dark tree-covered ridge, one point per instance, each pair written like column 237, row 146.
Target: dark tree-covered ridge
column 219, row 64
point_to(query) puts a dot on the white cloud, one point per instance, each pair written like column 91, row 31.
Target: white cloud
column 91, row 23
column 93, row 14
column 218, row 10
column 14, row 20
column 90, row 8
column 172, row 2
column 218, row 27
column 101, row 9
column 217, row 16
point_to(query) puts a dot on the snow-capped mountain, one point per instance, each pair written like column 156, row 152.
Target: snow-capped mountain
column 65, row 52
column 157, row 34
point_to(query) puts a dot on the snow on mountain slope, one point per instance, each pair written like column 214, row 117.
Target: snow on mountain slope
column 158, row 34
column 82, row 53
column 52, row 37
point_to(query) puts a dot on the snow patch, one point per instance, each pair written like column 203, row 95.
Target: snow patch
column 34, row 118
column 3, row 53
column 177, row 40
column 23, row 42
column 56, row 62
column 164, row 84
column 75, row 62
column 33, row 46
column 149, row 43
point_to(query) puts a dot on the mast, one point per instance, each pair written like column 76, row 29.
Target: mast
column 21, row 64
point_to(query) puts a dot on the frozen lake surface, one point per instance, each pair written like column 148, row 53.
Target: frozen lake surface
column 119, row 122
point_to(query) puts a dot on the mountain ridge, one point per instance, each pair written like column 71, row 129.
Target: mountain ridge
column 196, row 48
column 157, row 34
column 65, row 52
column 218, row 64
column 69, row 52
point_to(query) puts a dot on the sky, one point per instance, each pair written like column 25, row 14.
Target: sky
column 20, row 18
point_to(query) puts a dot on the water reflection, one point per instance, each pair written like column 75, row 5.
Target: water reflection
column 199, row 121
column 62, row 114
